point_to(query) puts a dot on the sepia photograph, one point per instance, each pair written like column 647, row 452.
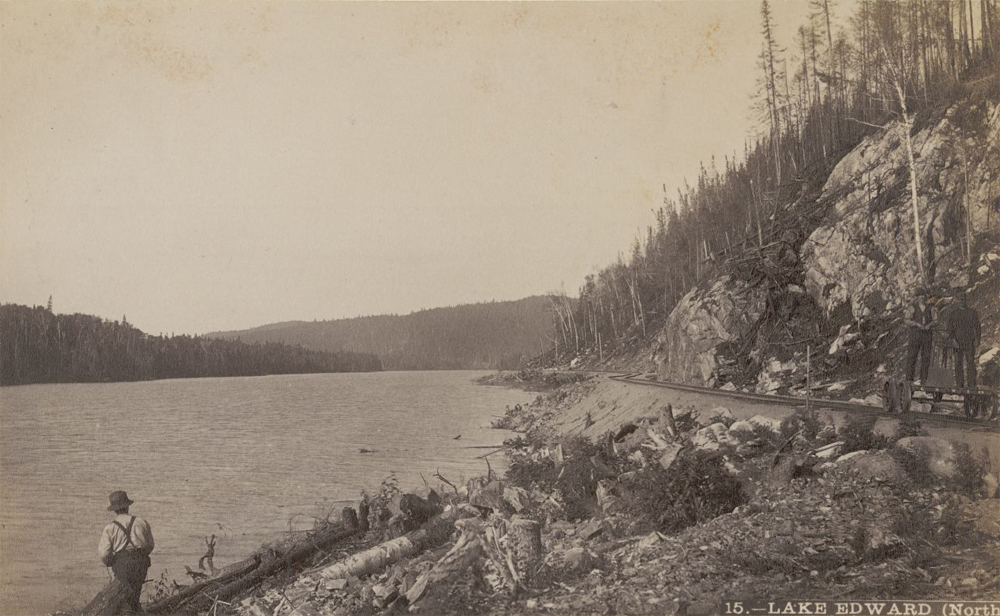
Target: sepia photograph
column 330, row 308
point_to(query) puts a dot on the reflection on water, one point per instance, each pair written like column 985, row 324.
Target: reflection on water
column 241, row 458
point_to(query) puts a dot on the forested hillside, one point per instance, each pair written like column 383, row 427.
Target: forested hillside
column 38, row 346
column 842, row 78
column 490, row 335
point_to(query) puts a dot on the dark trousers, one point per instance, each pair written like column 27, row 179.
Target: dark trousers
column 919, row 345
column 130, row 568
column 966, row 356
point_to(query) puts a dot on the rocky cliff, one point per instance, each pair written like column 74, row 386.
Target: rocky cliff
column 857, row 260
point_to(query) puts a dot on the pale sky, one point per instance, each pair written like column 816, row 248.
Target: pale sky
column 206, row 166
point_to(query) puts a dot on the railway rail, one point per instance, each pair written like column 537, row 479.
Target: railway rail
column 963, row 423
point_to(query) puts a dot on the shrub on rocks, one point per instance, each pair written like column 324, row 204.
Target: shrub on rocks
column 808, row 425
column 575, row 479
column 697, row 488
column 934, row 455
column 970, row 471
column 858, row 434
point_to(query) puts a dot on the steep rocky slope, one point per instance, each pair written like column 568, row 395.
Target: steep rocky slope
column 857, row 264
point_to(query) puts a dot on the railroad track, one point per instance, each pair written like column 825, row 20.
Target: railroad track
column 964, row 423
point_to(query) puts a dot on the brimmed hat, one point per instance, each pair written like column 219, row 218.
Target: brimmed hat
column 119, row 500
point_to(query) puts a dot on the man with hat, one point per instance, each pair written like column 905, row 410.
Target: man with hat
column 964, row 329
column 920, row 320
column 125, row 547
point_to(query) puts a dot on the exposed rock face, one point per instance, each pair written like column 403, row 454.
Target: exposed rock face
column 703, row 319
column 865, row 253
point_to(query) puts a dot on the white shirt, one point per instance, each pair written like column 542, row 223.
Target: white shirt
column 113, row 539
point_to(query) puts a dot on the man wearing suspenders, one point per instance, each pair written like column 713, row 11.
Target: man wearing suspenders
column 125, row 546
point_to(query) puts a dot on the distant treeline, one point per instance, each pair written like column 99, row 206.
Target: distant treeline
column 487, row 336
column 37, row 346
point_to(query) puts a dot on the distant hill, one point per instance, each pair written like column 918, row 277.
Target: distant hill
column 488, row 336
column 38, row 346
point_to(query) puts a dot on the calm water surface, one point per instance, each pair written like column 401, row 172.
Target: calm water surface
column 245, row 459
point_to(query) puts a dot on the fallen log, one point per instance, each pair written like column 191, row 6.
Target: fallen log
column 467, row 551
column 227, row 574
column 375, row 559
column 243, row 576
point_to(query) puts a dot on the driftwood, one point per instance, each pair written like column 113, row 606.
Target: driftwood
column 466, row 552
column 240, row 577
column 375, row 559
column 227, row 574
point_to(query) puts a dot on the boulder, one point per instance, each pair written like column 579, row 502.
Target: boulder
column 591, row 529
column 650, row 541
column 772, row 423
column 741, row 426
column 990, row 485
column 850, row 456
column 877, row 542
column 489, row 496
column 517, row 498
column 578, row 559
column 606, row 495
column 712, row 438
column 877, row 466
column 940, row 453
column 720, row 310
column 828, row 452
column 670, row 454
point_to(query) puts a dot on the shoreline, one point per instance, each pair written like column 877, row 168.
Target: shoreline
column 611, row 527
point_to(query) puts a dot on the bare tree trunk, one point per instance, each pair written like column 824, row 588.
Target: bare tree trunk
column 908, row 123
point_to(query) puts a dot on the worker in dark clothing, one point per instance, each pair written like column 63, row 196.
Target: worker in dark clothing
column 125, row 546
column 964, row 329
column 920, row 319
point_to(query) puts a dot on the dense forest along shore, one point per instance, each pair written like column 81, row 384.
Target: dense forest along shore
column 246, row 459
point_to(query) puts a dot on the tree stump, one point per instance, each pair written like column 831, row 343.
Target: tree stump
column 667, row 419
column 524, row 540
column 350, row 518
column 363, row 515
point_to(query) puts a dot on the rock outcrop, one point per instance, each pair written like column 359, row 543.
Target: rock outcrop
column 864, row 255
column 860, row 260
column 704, row 318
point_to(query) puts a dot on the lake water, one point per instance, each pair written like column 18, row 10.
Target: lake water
column 245, row 459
